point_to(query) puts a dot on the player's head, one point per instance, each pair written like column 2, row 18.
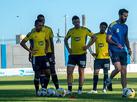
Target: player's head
column 103, row 27
column 76, row 21
column 41, row 17
column 38, row 25
column 123, row 14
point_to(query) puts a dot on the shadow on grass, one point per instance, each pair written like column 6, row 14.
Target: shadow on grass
column 63, row 82
column 28, row 95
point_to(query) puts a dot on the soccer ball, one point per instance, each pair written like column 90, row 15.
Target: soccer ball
column 129, row 93
column 60, row 92
column 42, row 92
column 51, row 92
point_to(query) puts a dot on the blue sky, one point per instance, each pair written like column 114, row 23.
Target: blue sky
column 18, row 16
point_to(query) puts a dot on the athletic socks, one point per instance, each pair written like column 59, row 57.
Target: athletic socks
column 36, row 84
column 104, row 81
column 44, row 80
column 55, row 81
column 95, row 81
column 80, row 88
column 70, row 87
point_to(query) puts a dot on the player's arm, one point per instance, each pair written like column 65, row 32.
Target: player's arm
column 92, row 53
column 127, row 44
column 52, row 45
column 109, row 40
column 30, row 55
column 66, row 42
column 51, row 41
column 109, row 37
column 92, row 40
column 23, row 44
column 47, row 45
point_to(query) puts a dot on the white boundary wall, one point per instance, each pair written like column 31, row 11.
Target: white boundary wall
column 132, row 68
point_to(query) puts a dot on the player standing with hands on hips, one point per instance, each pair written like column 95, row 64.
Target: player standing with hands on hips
column 77, row 51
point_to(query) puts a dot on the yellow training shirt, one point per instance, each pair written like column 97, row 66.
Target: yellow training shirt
column 101, row 46
column 78, row 39
column 38, row 43
column 49, row 33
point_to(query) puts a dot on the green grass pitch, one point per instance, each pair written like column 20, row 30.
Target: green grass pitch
column 19, row 89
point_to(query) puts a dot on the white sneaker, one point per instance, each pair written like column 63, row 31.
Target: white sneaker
column 93, row 92
column 104, row 91
column 79, row 92
column 68, row 92
column 124, row 92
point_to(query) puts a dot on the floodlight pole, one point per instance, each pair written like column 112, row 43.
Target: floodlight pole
column 65, row 24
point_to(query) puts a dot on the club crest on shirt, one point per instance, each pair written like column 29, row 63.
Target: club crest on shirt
column 117, row 31
column 41, row 43
column 100, row 45
column 77, row 38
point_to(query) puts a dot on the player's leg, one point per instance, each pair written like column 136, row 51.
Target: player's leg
column 116, row 62
column 36, row 80
column 47, row 77
column 95, row 80
column 106, row 67
column 53, row 71
column 45, row 71
column 36, row 74
column 70, row 69
column 81, row 62
column 124, row 71
column 44, row 78
column 124, row 80
column 117, row 69
column 81, row 78
column 124, row 77
column 97, row 66
column 54, row 76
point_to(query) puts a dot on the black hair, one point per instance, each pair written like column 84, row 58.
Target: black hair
column 75, row 17
column 104, row 23
column 37, row 21
column 121, row 11
column 40, row 15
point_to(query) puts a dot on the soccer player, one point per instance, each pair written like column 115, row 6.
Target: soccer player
column 38, row 52
column 77, row 51
column 50, row 54
column 101, row 57
column 117, row 37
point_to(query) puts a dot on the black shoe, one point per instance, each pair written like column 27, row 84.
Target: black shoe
column 109, row 87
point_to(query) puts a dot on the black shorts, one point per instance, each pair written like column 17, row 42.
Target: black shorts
column 119, row 57
column 40, row 62
column 79, row 60
column 51, row 58
column 102, row 64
